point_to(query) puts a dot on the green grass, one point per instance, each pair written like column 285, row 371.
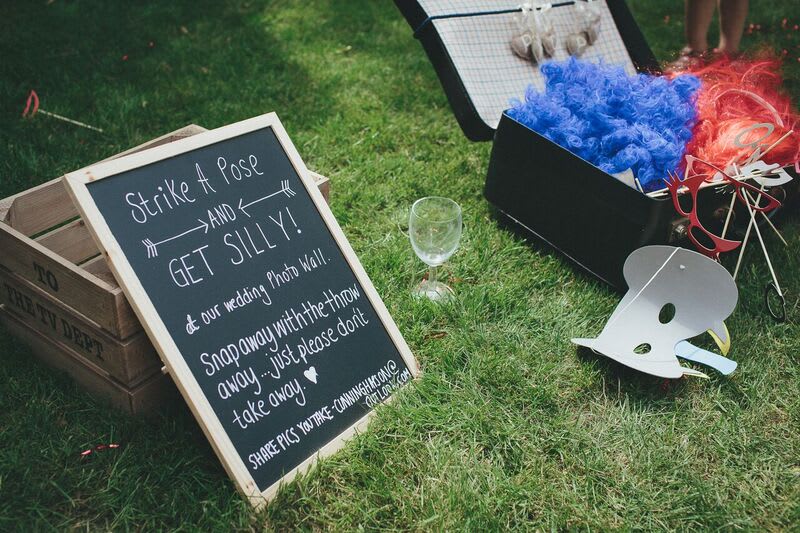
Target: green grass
column 509, row 426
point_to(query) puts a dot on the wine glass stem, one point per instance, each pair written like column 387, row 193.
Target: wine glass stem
column 431, row 274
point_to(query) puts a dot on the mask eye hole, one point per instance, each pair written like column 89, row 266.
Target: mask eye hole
column 642, row 349
column 667, row 313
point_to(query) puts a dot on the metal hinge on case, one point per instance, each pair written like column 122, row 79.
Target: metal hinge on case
column 680, row 227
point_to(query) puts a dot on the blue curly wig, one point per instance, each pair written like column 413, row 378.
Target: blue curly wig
column 613, row 120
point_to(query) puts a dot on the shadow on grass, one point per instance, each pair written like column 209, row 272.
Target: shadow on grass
column 655, row 392
column 544, row 249
column 163, row 463
column 648, row 389
column 154, row 69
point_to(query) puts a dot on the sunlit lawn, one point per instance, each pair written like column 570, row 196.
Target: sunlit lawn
column 508, row 427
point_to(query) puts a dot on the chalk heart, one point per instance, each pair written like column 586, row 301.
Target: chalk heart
column 311, row 374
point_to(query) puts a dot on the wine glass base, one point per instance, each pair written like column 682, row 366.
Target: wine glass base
column 436, row 291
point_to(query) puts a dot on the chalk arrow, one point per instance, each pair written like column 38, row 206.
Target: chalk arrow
column 285, row 189
column 152, row 247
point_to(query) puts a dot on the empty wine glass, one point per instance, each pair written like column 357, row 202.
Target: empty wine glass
column 434, row 227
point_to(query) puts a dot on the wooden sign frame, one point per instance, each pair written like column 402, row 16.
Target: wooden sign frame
column 76, row 183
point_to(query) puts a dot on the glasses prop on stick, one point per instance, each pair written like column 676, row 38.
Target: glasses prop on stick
column 754, row 167
column 758, row 202
column 772, row 290
column 766, row 176
column 698, row 173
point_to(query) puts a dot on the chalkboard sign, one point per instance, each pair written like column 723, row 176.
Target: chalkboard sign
column 250, row 292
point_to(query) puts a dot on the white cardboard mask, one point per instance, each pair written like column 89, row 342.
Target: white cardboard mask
column 702, row 292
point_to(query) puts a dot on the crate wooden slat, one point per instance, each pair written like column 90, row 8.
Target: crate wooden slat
column 128, row 361
column 42, row 207
column 99, row 267
column 155, row 391
column 38, row 209
column 58, row 295
column 71, row 241
column 66, row 282
column 46, row 200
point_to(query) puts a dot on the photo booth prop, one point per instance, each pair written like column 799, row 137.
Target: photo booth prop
column 592, row 217
column 675, row 294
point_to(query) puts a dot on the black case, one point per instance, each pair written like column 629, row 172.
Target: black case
column 553, row 194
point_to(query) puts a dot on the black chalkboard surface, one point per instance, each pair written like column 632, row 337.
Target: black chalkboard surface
column 250, row 292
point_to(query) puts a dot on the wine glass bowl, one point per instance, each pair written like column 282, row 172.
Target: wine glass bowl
column 434, row 227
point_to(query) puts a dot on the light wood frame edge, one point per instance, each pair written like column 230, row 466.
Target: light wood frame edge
column 76, row 183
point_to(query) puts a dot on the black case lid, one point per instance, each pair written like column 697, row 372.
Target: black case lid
column 468, row 42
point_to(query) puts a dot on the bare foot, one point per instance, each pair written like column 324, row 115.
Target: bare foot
column 688, row 58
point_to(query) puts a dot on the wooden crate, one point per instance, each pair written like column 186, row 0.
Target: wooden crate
column 155, row 391
column 58, row 295
column 127, row 360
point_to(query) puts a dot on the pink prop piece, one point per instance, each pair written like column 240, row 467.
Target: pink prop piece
column 32, row 98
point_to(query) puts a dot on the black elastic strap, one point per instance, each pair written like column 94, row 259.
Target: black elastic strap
column 479, row 14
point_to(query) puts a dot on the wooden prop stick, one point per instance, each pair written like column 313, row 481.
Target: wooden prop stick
column 773, row 145
column 750, row 224
column 728, row 219
column 741, row 251
column 733, row 199
column 65, row 119
column 763, row 247
column 33, row 98
column 753, row 224
column 771, row 225
column 766, row 218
